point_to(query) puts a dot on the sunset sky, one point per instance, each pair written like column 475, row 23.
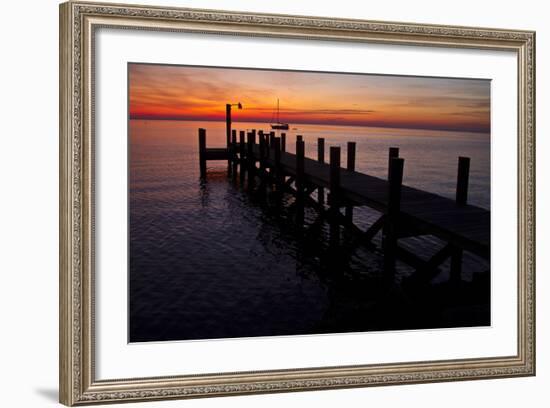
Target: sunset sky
column 198, row 93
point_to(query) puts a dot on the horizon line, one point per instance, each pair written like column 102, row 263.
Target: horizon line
column 393, row 126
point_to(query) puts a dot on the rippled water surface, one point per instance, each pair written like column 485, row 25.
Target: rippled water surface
column 209, row 260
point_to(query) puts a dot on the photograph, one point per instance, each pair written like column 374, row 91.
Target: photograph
column 267, row 202
column 272, row 201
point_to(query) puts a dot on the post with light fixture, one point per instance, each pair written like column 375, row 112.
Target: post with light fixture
column 228, row 129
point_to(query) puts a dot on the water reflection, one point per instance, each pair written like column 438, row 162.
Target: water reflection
column 210, row 260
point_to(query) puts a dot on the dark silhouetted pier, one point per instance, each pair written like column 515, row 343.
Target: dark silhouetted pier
column 261, row 158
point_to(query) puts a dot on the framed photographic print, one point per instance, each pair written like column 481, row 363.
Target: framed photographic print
column 261, row 203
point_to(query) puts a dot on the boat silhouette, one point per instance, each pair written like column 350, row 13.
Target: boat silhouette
column 278, row 124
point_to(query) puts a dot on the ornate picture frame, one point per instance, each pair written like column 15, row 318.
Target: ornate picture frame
column 78, row 24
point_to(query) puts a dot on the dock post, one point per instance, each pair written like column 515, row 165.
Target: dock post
column 350, row 167
column 351, row 156
column 283, row 142
column 202, row 152
column 321, row 159
column 299, row 138
column 251, row 161
column 462, row 180
column 232, row 152
column 389, row 234
column 393, row 153
column 242, row 148
column 461, row 200
column 271, row 140
column 233, row 139
column 261, row 141
column 334, row 184
column 269, row 149
column 278, row 171
column 300, row 158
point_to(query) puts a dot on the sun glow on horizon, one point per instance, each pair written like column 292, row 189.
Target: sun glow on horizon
column 200, row 93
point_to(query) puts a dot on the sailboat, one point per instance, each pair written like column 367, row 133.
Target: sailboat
column 278, row 124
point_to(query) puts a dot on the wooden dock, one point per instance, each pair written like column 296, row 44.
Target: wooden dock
column 405, row 211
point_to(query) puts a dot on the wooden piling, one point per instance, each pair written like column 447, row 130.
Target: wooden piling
column 321, row 150
column 250, row 159
column 242, row 149
column 299, row 137
column 232, row 152
column 393, row 153
column 202, row 152
column 300, row 182
column 334, row 185
column 462, row 180
column 350, row 167
column 395, row 181
column 279, row 177
column 321, row 159
column 283, row 142
column 269, row 143
column 242, row 146
column 390, row 231
column 263, row 148
column 351, row 156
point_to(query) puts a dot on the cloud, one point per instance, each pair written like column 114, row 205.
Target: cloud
column 183, row 92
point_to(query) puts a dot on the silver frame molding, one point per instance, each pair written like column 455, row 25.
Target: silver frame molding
column 78, row 22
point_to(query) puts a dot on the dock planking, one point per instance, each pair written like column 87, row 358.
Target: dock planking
column 466, row 225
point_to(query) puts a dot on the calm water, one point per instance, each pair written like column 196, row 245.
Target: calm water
column 207, row 260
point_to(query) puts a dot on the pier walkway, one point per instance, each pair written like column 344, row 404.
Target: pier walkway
column 405, row 211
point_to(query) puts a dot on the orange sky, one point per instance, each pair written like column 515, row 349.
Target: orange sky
column 199, row 93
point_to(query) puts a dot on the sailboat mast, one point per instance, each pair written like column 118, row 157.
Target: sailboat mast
column 278, row 124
